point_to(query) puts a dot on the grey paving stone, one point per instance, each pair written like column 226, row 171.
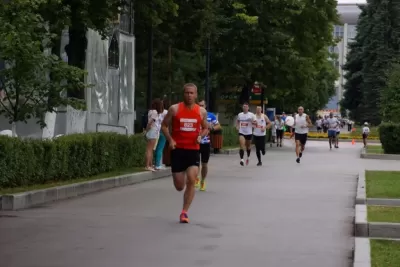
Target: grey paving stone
column 281, row 214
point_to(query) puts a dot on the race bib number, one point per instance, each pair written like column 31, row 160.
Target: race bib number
column 188, row 125
column 244, row 124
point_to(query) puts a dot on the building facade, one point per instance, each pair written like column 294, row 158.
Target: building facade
column 110, row 67
column 345, row 33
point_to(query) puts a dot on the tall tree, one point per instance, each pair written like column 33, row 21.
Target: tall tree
column 24, row 43
column 352, row 97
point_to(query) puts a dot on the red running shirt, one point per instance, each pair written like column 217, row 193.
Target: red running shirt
column 186, row 127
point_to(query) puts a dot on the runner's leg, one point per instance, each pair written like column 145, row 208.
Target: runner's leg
column 257, row 140
column 204, row 165
column 248, row 148
column 242, row 143
column 191, row 174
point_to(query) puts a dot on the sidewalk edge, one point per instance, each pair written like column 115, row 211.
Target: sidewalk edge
column 30, row 199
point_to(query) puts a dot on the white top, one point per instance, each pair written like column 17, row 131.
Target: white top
column 338, row 128
column 365, row 130
column 279, row 124
column 152, row 119
column 300, row 123
column 332, row 123
column 245, row 122
column 261, row 122
column 319, row 123
column 159, row 119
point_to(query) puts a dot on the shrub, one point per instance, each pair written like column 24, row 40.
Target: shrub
column 231, row 136
column 27, row 162
column 390, row 137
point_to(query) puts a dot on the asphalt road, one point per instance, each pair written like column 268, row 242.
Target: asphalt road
column 282, row 214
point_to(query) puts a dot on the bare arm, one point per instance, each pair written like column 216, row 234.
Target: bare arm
column 269, row 124
column 309, row 122
column 204, row 123
column 167, row 121
column 217, row 127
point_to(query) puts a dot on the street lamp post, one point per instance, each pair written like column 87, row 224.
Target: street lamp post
column 150, row 67
column 207, row 82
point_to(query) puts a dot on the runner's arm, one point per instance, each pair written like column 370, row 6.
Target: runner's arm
column 309, row 122
column 204, row 123
column 269, row 124
column 215, row 124
column 167, row 122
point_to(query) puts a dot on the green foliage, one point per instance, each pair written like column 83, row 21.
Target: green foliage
column 391, row 97
column 24, row 46
column 282, row 44
column 27, row 162
column 370, row 60
column 390, row 137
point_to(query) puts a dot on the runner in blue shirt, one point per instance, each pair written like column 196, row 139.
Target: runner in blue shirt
column 205, row 147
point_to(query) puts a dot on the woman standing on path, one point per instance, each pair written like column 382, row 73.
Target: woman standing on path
column 279, row 128
column 152, row 131
column 161, row 140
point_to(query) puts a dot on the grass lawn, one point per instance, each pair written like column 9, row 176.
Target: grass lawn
column 383, row 184
column 374, row 150
column 385, row 253
column 4, row 191
column 384, row 214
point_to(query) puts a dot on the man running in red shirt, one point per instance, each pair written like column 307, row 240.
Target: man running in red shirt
column 187, row 119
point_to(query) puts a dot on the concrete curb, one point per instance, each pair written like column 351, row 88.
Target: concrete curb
column 383, row 202
column 365, row 155
column 34, row 198
column 361, row 223
column 361, row 189
column 342, row 140
column 363, row 228
column 362, row 252
column 383, row 229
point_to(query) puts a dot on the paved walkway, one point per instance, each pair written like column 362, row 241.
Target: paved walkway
column 282, row 214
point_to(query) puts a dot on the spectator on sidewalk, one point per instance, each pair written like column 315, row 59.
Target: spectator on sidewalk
column 161, row 140
column 152, row 131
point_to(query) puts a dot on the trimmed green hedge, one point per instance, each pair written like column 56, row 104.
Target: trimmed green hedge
column 390, row 137
column 27, row 162
column 231, row 136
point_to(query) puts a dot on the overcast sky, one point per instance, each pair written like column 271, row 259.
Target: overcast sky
column 351, row 1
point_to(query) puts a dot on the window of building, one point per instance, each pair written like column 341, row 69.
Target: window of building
column 351, row 31
column 338, row 31
column 113, row 52
column 126, row 23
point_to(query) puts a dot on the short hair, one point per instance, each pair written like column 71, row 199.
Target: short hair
column 157, row 105
column 189, row 85
column 245, row 103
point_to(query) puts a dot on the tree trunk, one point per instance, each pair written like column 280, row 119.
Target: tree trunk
column 14, row 129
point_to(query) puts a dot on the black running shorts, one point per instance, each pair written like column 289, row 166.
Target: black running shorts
column 182, row 159
column 205, row 150
column 247, row 137
column 302, row 138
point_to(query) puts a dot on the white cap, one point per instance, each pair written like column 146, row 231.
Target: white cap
column 365, row 123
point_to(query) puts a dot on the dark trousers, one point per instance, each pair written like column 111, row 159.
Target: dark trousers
column 259, row 142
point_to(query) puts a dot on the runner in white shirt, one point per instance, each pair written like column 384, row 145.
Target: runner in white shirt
column 259, row 131
column 332, row 124
column 301, row 124
column 244, row 125
column 365, row 133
